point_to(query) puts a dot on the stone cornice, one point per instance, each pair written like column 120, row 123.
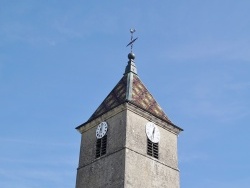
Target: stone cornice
column 135, row 109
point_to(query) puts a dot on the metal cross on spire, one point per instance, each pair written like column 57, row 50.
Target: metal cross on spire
column 132, row 40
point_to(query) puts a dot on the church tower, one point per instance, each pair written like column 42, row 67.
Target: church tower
column 128, row 142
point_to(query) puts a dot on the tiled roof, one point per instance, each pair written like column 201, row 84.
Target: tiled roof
column 130, row 89
column 142, row 98
column 116, row 97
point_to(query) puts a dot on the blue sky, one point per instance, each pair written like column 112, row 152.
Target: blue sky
column 59, row 60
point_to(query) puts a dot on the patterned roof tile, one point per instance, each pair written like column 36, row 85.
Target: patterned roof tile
column 115, row 97
column 141, row 97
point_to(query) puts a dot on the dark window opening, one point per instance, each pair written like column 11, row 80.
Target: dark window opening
column 101, row 146
column 153, row 149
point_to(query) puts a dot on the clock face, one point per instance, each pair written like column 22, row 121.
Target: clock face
column 101, row 130
column 152, row 132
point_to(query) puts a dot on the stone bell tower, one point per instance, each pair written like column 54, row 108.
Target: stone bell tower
column 128, row 141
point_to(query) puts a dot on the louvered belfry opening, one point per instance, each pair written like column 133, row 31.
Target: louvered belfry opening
column 153, row 149
column 101, row 146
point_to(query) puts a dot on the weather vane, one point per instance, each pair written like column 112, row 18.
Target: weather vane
column 132, row 40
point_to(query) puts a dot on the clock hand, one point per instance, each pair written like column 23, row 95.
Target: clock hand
column 101, row 128
column 153, row 132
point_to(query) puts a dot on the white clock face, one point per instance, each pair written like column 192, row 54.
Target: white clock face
column 152, row 132
column 101, row 130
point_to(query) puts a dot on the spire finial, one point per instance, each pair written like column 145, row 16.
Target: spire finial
column 131, row 68
column 132, row 40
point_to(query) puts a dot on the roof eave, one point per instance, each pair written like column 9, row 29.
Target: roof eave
column 131, row 102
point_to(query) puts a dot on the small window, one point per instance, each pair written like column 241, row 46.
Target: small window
column 153, row 149
column 101, row 146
